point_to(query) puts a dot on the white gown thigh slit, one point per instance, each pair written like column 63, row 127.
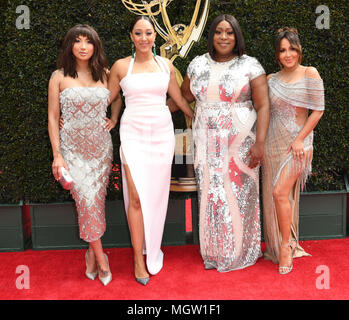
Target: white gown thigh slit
column 147, row 147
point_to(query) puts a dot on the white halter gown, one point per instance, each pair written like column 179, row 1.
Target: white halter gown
column 147, row 147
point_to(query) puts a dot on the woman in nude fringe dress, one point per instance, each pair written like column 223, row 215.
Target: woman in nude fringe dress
column 293, row 91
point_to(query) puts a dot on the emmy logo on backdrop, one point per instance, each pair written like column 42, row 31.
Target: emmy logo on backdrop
column 179, row 39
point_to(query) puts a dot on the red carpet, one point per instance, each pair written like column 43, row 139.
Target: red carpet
column 60, row 275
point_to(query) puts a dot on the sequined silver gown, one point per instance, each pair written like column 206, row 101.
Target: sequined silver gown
column 87, row 149
column 223, row 133
column 278, row 164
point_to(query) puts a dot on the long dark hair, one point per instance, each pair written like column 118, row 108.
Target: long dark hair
column 239, row 48
column 97, row 63
column 291, row 34
column 141, row 18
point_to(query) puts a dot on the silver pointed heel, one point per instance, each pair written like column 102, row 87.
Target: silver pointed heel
column 143, row 281
column 208, row 266
column 105, row 280
column 90, row 275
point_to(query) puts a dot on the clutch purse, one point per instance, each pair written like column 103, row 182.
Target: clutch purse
column 65, row 180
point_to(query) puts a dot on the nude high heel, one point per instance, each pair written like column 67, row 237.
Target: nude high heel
column 90, row 275
column 288, row 269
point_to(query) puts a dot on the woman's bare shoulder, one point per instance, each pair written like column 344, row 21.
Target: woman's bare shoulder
column 269, row 76
column 120, row 66
column 311, row 72
column 169, row 64
column 57, row 75
column 120, row 63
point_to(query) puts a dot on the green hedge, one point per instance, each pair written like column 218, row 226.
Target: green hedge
column 28, row 57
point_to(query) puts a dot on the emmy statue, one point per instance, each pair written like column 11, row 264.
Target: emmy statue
column 179, row 39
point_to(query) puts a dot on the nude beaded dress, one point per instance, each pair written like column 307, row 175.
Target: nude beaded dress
column 278, row 164
column 147, row 147
column 87, row 149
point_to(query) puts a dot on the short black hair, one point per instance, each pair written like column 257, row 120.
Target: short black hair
column 239, row 48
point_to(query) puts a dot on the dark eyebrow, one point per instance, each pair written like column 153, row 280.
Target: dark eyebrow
column 221, row 28
column 142, row 30
column 80, row 35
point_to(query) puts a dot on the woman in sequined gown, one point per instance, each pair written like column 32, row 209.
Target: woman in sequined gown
column 289, row 147
column 147, row 143
column 229, row 128
column 78, row 90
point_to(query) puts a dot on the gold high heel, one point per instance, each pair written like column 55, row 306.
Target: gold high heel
column 288, row 269
column 90, row 275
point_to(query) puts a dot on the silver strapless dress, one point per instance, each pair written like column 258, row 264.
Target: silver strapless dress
column 87, row 149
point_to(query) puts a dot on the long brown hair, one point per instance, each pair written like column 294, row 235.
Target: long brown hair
column 98, row 61
column 291, row 34
column 239, row 48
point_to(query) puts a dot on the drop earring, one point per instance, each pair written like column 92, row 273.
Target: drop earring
column 133, row 50
column 154, row 51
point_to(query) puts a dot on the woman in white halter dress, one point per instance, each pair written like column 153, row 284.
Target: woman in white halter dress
column 147, row 147
column 147, row 143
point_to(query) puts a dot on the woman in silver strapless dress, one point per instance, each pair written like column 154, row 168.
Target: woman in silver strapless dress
column 83, row 146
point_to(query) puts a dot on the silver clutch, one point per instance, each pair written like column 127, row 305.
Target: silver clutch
column 65, row 180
